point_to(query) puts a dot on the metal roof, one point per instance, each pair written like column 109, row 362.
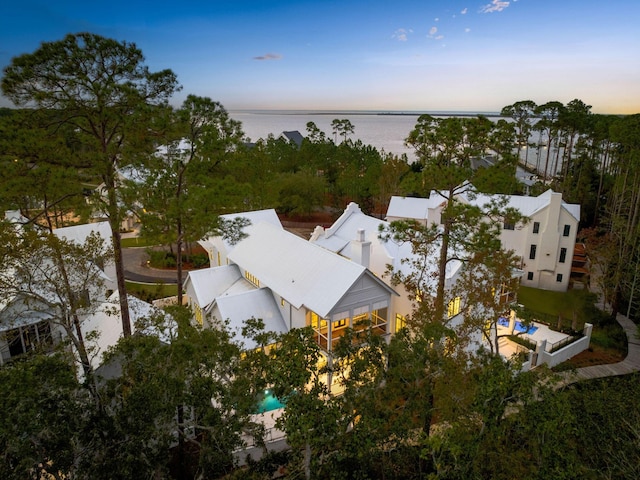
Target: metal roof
column 258, row 304
column 299, row 271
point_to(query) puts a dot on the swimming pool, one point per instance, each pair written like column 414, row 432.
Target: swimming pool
column 519, row 327
column 269, row 402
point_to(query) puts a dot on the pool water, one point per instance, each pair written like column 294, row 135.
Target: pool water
column 519, row 327
column 269, row 402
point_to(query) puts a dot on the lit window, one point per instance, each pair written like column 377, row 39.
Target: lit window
column 281, row 302
column 454, row 307
column 340, row 324
column 401, row 322
column 252, row 278
column 199, row 317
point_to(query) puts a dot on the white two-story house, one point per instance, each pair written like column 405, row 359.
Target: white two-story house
column 545, row 244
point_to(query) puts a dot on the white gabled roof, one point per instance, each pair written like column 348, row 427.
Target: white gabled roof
column 257, row 303
column 255, row 217
column 383, row 253
column 107, row 322
column 412, row 207
column 527, row 206
column 209, row 283
column 302, row 273
column 79, row 233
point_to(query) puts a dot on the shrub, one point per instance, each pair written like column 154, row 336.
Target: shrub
column 199, row 260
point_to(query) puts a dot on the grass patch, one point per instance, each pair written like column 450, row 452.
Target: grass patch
column 136, row 242
column 151, row 291
column 563, row 311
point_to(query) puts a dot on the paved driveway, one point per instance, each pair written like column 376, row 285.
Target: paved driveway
column 137, row 270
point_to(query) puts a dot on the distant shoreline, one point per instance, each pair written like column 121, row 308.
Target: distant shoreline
column 367, row 112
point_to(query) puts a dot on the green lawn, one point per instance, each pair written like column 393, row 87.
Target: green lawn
column 136, row 242
column 545, row 301
column 551, row 305
column 151, row 291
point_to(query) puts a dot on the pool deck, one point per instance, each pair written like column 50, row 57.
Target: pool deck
column 543, row 332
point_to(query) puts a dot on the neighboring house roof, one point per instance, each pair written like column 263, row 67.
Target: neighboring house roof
column 412, row 207
column 527, row 206
column 134, row 174
column 106, row 321
column 256, row 303
column 79, row 233
column 15, row 312
column 417, row 208
column 254, row 217
column 14, row 216
column 302, row 273
column 294, row 136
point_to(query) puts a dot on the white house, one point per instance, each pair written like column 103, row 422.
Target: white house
column 545, row 244
column 288, row 283
column 32, row 317
column 356, row 236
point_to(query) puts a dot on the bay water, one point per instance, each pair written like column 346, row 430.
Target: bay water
column 384, row 130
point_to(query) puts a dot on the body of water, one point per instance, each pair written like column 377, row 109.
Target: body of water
column 383, row 130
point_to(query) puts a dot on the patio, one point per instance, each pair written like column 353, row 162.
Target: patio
column 536, row 333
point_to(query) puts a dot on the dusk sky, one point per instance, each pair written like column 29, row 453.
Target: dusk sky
column 422, row 55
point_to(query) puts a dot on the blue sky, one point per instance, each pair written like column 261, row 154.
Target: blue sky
column 364, row 54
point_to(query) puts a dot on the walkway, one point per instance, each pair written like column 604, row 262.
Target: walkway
column 629, row 365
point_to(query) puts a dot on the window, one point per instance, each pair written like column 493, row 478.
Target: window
column 199, row 316
column 567, row 229
column 453, row 308
column 563, row 255
column 559, row 278
column 536, row 227
column 25, row 339
column 340, row 324
column 401, row 322
column 532, row 252
column 281, row 302
column 252, row 278
column 529, row 275
column 508, row 226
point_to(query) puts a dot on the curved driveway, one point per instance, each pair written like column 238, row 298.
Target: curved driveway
column 137, row 270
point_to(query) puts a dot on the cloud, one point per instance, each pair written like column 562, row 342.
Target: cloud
column 433, row 31
column 467, row 30
column 495, row 6
column 439, row 37
column 436, row 19
column 269, row 56
column 464, row 11
column 401, row 34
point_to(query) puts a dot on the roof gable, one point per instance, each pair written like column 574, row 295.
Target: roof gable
column 302, row 273
column 209, row 283
column 257, row 303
